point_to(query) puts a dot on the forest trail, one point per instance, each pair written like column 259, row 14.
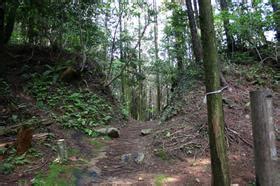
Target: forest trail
column 116, row 165
column 102, row 161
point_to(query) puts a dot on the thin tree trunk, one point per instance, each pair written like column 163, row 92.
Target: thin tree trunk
column 123, row 84
column 2, row 17
column 10, row 17
column 150, row 104
column 276, row 10
column 196, row 13
column 157, row 59
column 229, row 37
column 219, row 160
column 178, row 41
column 106, row 20
column 121, row 29
column 196, row 44
column 140, row 91
column 179, row 45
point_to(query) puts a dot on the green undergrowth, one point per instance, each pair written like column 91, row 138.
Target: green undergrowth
column 4, row 88
column 186, row 82
column 97, row 144
column 257, row 73
column 160, row 179
column 8, row 164
column 162, row 154
column 72, row 107
column 263, row 76
column 58, row 174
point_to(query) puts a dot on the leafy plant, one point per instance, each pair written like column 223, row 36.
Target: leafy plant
column 74, row 108
column 8, row 165
column 4, row 88
column 162, row 154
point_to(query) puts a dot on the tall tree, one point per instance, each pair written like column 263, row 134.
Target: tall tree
column 276, row 16
column 157, row 58
column 123, row 84
column 179, row 27
column 2, row 24
column 196, row 12
column 229, row 37
column 219, row 160
column 7, row 20
column 140, row 101
column 196, row 44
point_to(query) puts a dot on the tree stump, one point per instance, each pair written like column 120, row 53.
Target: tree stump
column 23, row 141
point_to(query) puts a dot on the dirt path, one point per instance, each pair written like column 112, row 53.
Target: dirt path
column 115, row 170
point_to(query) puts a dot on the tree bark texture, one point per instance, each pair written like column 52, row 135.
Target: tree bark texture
column 156, row 59
column 219, row 160
column 264, row 139
column 196, row 44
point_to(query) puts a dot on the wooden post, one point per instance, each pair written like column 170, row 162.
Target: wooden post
column 264, row 138
column 61, row 151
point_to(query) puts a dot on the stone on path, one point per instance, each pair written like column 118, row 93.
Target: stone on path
column 126, row 158
column 145, row 132
column 137, row 157
column 110, row 131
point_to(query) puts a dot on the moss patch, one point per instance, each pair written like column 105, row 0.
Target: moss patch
column 57, row 175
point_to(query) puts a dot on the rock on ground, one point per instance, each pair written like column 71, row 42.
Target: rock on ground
column 145, row 132
column 111, row 132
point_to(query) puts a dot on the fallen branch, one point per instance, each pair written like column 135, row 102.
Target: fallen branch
column 238, row 135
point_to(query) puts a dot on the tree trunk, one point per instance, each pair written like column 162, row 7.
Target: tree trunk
column 150, row 114
column 140, row 91
column 121, row 29
column 106, row 20
column 276, row 10
column 196, row 13
column 229, row 37
column 157, row 59
column 123, row 84
column 196, row 44
column 179, row 39
column 219, row 160
column 2, row 17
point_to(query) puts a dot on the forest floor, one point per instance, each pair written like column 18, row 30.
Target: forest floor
column 176, row 152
